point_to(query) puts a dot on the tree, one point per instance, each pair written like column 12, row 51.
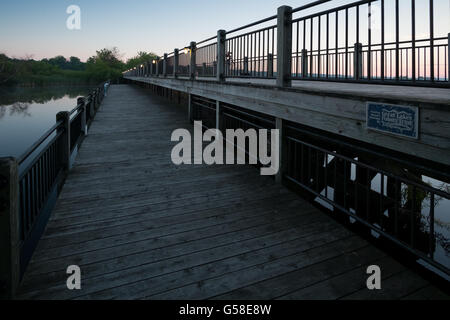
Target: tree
column 58, row 61
column 141, row 58
column 106, row 64
column 76, row 64
column 110, row 57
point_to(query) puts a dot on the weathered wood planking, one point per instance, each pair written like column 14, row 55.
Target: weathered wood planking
column 142, row 228
column 339, row 108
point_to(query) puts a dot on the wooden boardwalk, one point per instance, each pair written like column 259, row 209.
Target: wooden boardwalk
column 140, row 227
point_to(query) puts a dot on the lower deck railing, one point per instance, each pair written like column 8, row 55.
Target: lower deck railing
column 31, row 183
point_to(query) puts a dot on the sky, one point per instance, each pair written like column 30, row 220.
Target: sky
column 38, row 29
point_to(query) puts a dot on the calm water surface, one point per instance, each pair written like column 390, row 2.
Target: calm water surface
column 27, row 113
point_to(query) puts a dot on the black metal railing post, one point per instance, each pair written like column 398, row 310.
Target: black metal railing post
column 9, row 228
column 176, row 62
column 304, row 63
column 64, row 147
column 157, row 68
column 192, row 64
column 165, row 65
column 270, row 65
column 357, row 61
column 284, row 46
column 221, row 38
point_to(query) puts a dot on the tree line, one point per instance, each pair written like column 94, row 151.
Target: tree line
column 104, row 65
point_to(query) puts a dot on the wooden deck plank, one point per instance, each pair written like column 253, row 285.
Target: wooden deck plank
column 142, row 228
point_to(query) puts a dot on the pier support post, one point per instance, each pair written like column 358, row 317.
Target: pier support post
column 193, row 50
column 357, row 61
column 281, row 156
column 221, row 37
column 304, row 63
column 64, row 129
column 190, row 107
column 217, row 114
column 270, row 65
column 165, row 65
column 9, row 228
column 284, row 46
column 175, row 62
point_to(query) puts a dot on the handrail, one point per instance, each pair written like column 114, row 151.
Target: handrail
column 37, row 144
column 39, row 174
column 269, row 53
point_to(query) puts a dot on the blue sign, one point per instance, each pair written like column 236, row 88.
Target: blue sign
column 393, row 119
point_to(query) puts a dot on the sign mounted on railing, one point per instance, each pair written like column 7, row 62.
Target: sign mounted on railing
column 393, row 119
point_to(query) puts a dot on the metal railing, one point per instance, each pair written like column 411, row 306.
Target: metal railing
column 206, row 60
column 184, row 61
column 340, row 44
column 252, row 54
column 393, row 199
column 41, row 170
column 350, row 43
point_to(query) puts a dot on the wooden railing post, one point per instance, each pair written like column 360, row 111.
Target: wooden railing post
column 157, row 68
column 91, row 106
column 84, row 127
column 448, row 61
column 9, row 228
column 284, row 46
column 176, row 62
column 193, row 50
column 165, row 65
column 357, row 61
column 94, row 99
column 64, row 147
column 221, row 38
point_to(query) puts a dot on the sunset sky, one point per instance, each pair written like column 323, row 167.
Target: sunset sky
column 38, row 28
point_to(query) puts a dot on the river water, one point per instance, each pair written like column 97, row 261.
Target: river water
column 27, row 113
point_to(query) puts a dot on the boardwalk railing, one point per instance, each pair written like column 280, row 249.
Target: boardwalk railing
column 30, row 185
column 368, row 41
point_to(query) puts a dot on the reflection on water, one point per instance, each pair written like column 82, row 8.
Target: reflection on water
column 27, row 113
column 16, row 108
column 409, row 197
